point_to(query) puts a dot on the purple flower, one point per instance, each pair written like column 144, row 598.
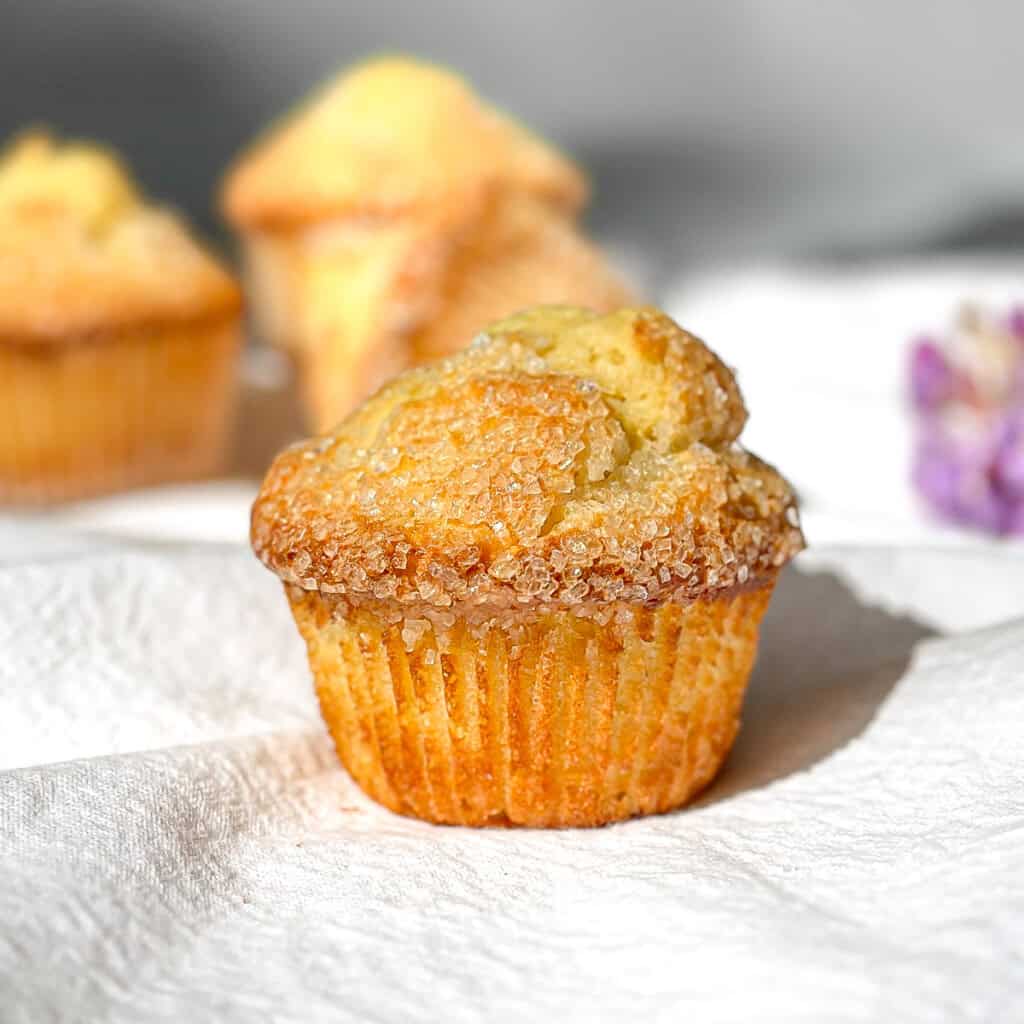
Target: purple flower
column 932, row 380
column 969, row 452
column 1015, row 322
column 968, row 481
column 1015, row 521
column 937, row 472
column 1008, row 464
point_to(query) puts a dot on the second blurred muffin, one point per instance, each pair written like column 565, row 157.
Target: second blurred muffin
column 392, row 217
column 118, row 333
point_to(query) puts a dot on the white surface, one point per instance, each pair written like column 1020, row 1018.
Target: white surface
column 217, row 511
column 177, row 841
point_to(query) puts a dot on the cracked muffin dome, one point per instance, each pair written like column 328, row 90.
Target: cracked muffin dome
column 565, row 458
column 81, row 252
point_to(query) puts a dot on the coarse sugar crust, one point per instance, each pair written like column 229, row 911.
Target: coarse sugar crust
column 82, row 256
column 565, row 459
column 391, row 136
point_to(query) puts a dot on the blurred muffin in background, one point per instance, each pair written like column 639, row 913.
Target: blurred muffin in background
column 118, row 332
column 392, row 217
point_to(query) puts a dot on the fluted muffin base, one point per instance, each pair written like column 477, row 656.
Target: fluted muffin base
column 553, row 720
column 106, row 414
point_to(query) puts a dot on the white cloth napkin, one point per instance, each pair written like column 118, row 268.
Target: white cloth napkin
column 178, row 842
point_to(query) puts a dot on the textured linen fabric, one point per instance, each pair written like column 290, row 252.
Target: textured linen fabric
column 178, row 841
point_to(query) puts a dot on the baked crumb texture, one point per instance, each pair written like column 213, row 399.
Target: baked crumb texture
column 391, row 217
column 530, row 576
column 118, row 333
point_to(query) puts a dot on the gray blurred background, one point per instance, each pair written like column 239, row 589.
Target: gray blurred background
column 716, row 132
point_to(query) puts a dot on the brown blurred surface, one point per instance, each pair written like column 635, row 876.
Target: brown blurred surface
column 269, row 416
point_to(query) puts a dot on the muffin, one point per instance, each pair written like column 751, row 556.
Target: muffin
column 530, row 576
column 392, row 217
column 118, row 333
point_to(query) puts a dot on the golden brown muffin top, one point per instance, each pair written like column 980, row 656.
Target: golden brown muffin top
column 81, row 255
column 389, row 136
column 565, row 458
